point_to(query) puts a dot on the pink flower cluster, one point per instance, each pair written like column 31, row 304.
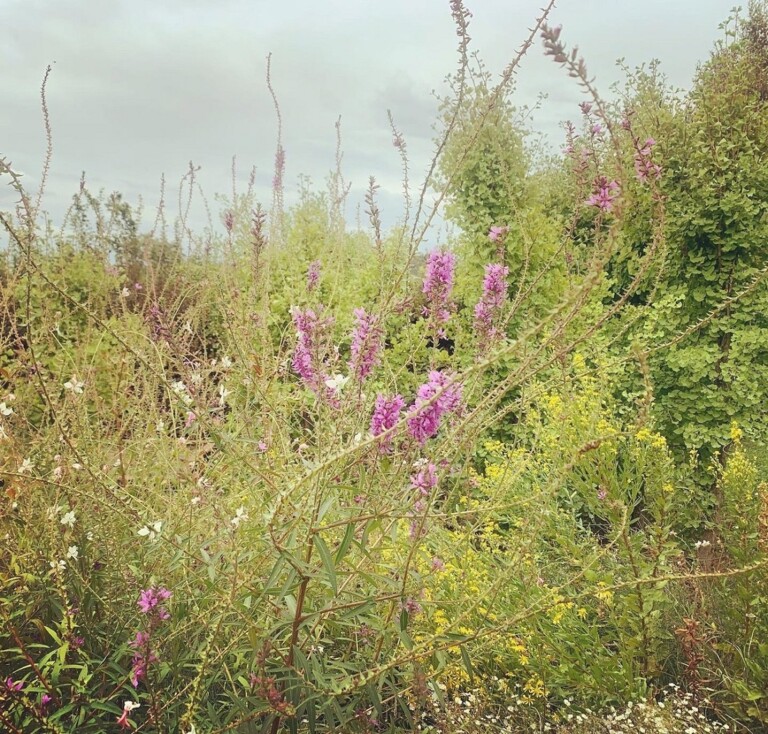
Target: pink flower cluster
column 386, row 414
column 604, row 194
column 308, row 359
column 491, row 302
column 437, row 287
column 496, row 234
column 151, row 603
column 436, row 397
column 143, row 657
column 425, row 480
column 313, row 275
column 645, row 168
column 366, row 344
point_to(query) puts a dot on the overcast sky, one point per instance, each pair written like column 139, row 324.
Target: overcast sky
column 141, row 87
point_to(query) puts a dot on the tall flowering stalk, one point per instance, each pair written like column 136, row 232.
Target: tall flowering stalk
column 437, row 287
column 604, row 194
column 424, row 481
column 491, row 302
column 307, row 358
column 386, row 414
column 313, row 275
column 645, row 168
column 310, row 355
column 426, row 413
column 366, row 344
column 151, row 603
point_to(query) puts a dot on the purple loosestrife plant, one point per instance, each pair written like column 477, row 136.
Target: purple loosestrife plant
column 425, row 414
column 143, row 657
column 151, row 602
column 491, row 302
column 386, row 414
column 366, row 344
column 604, row 194
column 438, row 285
column 308, row 362
column 497, row 234
column 425, row 480
column 645, row 168
column 313, row 275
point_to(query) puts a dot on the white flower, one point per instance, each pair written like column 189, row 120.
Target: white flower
column 337, row 382
column 180, row 389
column 195, row 501
column 152, row 530
column 5, row 410
column 226, row 362
column 240, row 516
column 223, row 394
column 125, row 292
column 89, row 535
column 73, row 552
column 26, row 467
column 131, row 705
column 68, row 518
column 74, row 385
column 58, row 565
column 76, row 466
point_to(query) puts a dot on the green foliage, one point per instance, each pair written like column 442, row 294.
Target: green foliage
column 559, row 539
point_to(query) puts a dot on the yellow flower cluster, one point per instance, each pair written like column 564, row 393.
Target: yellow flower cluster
column 656, row 440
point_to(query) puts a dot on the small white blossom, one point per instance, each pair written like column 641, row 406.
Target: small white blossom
column 58, row 565
column 180, row 389
column 159, row 426
column 5, row 410
column 240, row 516
column 74, row 385
column 73, row 552
column 125, row 292
column 223, row 395
column 226, row 362
column 131, row 705
column 151, row 531
column 26, row 467
column 337, row 382
column 77, row 466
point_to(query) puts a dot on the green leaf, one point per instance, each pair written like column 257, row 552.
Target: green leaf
column 326, row 558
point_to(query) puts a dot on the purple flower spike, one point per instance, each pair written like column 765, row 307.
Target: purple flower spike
column 366, row 344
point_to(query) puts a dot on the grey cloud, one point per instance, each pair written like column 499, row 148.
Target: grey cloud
column 142, row 87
